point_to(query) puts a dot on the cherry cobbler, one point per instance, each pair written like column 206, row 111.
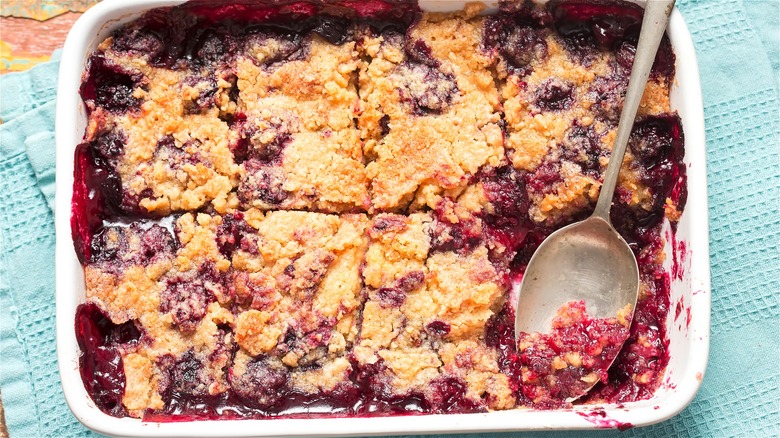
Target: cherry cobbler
column 321, row 208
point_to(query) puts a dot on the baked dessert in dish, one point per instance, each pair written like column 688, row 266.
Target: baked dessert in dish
column 321, row 208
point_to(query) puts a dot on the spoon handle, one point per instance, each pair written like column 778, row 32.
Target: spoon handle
column 654, row 23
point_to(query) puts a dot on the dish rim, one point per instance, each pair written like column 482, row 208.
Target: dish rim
column 669, row 400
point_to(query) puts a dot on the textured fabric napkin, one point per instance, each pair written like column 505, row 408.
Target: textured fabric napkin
column 737, row 44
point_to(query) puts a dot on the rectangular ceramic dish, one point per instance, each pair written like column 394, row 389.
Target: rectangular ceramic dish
column 688, row 323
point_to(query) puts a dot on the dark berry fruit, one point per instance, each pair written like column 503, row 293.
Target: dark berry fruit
column 581, row 146
column 261, row 145
column 267, row 145
column 420, row 52
column 601, row 22
column 395, row 295
column 608, row 94
column 554, row 95
column 500, row 335
column 390, row 296
column 175, row 155
column 384, row 124
column 87, row 205
column 187, row 299
column 109, row 145
column 438, row 328
column 262, row 183
column 108, row 245
column 426, row 88
column 410, row 281
column 658, row 142
column 335, row 30
column 186, row 376
column 448, row 395
column 462, row 236
column 141, row 41
column 523, row 46
column 209, row 48
column 624, row 56
column 544, row 178
column 505, row 189
column 231, row 232
column 128, row 333
column 100, row 363
column 97, row 186
column 207, row 94
column 506, row 224
column 263, row 383
column 156, row 242
column 651, row 140
column 277, row 47
column 110, row 86
column 253, row 292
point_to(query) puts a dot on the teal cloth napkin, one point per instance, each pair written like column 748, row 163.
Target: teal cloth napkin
column 737, row 44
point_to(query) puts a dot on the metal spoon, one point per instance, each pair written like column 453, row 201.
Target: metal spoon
column 588, row 260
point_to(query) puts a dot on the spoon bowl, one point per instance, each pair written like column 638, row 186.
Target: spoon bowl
column 586, row 261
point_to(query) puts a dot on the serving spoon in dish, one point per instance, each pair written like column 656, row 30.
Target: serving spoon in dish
column 589, row 261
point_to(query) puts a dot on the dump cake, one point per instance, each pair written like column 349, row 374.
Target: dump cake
column 321, row 208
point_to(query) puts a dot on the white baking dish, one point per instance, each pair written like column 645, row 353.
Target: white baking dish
column 688, row 329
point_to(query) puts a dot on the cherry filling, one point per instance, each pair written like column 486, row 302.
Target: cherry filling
column 204, row 33
column 262, row 182
column 507, row 227
column 643, row 359
column 601, row 22
column 97, row 192
column 461, row 236
column 659, row 144
column 607, row 25
column 516, row 36
column 554, row 95
column 264, row 389
column 109, row 86
column 262, row 385
column 206, row 98
column 261, row 151
column 581, row 147
column 500, row 335
column 100, row 362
